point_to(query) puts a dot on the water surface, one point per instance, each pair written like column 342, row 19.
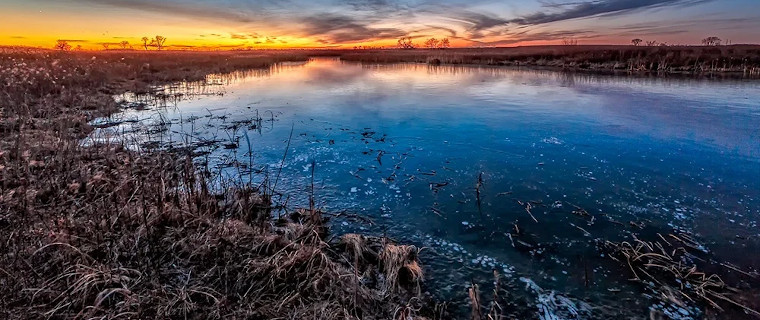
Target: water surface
column 448, row 158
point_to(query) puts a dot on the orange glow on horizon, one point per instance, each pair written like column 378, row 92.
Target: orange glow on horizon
column 181, row 34
column 47, row 41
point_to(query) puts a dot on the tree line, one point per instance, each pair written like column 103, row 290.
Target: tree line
column 158, row 42
column 709, row 41
column 430, row 43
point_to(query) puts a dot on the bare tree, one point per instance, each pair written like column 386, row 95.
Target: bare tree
column 569, row 42
column 405, row 43
column 62, row 45
column 125, row 45
column 431, row 43
column 444, row 43
column 159, row 42
column 711, row 41
column 145, row 42
column 636, row 41
column 105, row 45
column 78, row 48
column 651, row 43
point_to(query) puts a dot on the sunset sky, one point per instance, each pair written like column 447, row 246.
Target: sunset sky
column 332, row 23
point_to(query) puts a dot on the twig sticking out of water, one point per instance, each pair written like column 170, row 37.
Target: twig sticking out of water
column 585, row 233
column 477, row 192
column 311, row 194
column 528, row 206
column 284, row 156
column 474, row 293
column 732, row 267
column 436, row 186
column 436, row 210
column 509, row 235
column 495, row 311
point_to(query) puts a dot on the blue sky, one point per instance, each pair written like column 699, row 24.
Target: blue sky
column 370, row 22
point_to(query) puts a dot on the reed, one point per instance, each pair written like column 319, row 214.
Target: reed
column 669, row 267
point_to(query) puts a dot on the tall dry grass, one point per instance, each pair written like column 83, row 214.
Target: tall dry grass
column 743, row 59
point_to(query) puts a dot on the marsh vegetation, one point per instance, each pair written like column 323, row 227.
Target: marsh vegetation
column 119, row 228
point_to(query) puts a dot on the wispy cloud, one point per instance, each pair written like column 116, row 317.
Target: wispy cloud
column 354, row 21
column 586, row 9
column 526, row 36
column 244, row 36
column 342, row 28
column 183, row 8
column 74, row 40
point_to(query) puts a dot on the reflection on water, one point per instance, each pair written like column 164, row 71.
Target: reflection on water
column 450, row 157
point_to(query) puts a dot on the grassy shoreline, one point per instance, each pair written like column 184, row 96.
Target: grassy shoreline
column 100, row 231
column 738, row 59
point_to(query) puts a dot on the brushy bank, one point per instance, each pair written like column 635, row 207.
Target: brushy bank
column 739, row 59
column 103, row 232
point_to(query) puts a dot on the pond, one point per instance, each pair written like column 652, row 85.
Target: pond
column 526, row 172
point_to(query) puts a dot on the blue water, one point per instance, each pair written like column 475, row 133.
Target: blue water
column 411, row 146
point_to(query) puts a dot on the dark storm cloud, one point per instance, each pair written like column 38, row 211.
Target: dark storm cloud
column 586, row 9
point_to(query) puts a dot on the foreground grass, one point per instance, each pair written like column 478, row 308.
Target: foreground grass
column 103, row 232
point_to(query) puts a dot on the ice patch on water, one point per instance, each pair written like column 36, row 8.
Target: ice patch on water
column 456, row 252
column 552, row 140
column 672, row 311
column 555, row 306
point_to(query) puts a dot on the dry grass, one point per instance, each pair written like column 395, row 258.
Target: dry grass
column 672, row 270
column 742, row 59
column 103, row 232
column 400, row 266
